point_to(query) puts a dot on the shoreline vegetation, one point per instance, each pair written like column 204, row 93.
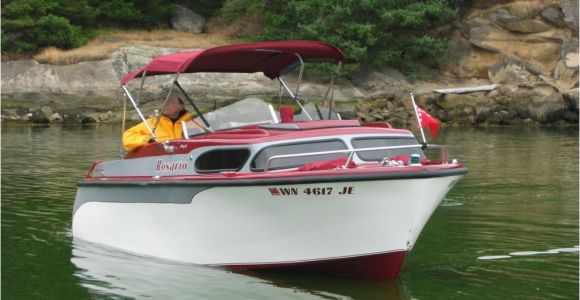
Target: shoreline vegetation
column 529, row 49
column 103, row 46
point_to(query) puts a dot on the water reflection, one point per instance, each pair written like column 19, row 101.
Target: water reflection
column 110, row 273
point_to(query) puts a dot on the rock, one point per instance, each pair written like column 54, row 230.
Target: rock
column 131, row 58
column 39, row 118
column 541, row 50
column 570, row 53
column 565, row 73
column 525, row 9
column 10, row 112
column 55, row 118
column 570, row 11
column 554, row 15
column 459, row 102
column 570, row 116
column 46, row 110
column 401, row 115
column 506, row 71
column 41, row 115
column 93, row 116
column 515, row 24
column 501, row 117
column 469, row 61
column 103, row 117
column 75, row 117
column 87, row 119
column 184, row 19
column 544, row 103
column 571, row 98
column 362, row 107
column 382, row 102
column 468, row 25
column 381, row 84
column 27, row 117
column 29, row 80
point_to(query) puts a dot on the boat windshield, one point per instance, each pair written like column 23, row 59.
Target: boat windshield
column 249, row 111
column 316, row 113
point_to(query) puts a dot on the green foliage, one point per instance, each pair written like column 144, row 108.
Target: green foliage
column 30, row 25
column 235, row 9
column 56, row 31
column 205, row 8
column 133, row 14
column 370, row 32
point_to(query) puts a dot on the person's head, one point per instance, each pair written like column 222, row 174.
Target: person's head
column 173, row 107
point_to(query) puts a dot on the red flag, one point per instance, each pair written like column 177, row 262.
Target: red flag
column 426, row 120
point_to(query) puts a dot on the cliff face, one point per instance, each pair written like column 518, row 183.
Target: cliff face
column 527, row 49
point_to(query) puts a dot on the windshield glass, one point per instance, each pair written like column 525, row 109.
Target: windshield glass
column 315, row 112
column 249, row 111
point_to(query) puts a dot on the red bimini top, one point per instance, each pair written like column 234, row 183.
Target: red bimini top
column 271, row 58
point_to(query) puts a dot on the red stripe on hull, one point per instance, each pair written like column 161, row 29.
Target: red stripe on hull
column 376, row 266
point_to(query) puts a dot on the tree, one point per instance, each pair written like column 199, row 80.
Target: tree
column 371, row 32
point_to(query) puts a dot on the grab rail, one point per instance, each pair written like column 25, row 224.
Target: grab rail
column 350, row 151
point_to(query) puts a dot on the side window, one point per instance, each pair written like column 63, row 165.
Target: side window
column 378, row 155
column 219, row 160
column 261, row 159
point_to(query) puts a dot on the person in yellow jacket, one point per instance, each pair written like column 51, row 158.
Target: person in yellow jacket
column 169, row 127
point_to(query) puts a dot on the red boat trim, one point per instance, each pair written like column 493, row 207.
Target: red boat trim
column 90, row 172
column 253, row 135
column 385, row 265
column 289, row 178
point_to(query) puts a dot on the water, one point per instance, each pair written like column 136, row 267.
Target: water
column 509, row 229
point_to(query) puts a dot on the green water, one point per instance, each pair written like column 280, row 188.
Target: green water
column 490, row 239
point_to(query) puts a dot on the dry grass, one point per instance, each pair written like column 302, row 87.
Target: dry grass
column 103, row 46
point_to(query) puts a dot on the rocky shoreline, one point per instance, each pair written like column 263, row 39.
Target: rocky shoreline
column 530, row 57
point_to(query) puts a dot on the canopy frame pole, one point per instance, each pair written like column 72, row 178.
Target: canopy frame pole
column 418, row 119
column 279, row 96
column 138, row 111
column 123, row 123
column 141, row 87
column 299, row 75
column 331, row 89
column 294, row 97
column 176, row 83
column 158, row 117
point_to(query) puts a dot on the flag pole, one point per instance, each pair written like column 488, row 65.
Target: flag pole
column 418, row 120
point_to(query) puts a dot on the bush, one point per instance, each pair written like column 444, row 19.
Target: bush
column 371, row 32
column 30, row 25
column 236, row 9
column 205, row 8
column 134, row 14
column 56, row 31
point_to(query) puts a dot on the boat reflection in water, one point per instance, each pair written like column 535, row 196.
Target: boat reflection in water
column 110, row 273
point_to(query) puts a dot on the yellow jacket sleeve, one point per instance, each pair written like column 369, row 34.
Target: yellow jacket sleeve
column 136, row 136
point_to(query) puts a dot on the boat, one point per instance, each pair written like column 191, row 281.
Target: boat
column 264, row 185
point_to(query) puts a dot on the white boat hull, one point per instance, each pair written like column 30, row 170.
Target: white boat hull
column 260, row 226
